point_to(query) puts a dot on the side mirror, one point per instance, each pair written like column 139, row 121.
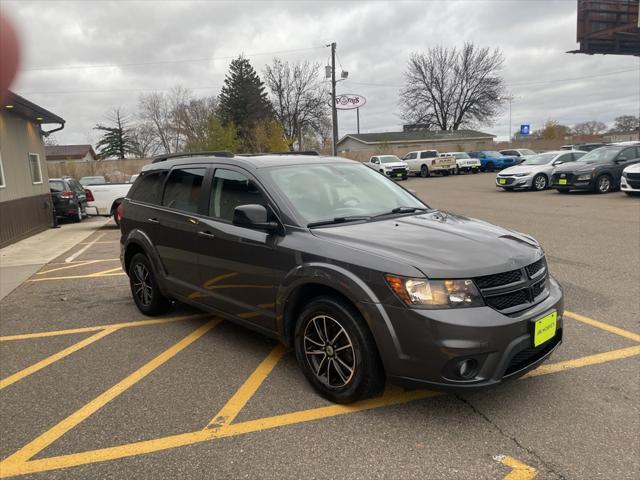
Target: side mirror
column 254, row 216
column 557, row 162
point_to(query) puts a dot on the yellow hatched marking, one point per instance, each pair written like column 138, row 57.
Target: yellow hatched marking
column 111, row 272
column 603, row 326
column 55, row 432
column 231, row 409
column 82, row 261
column 73, row 265
column 16, row 377
column 519, row 470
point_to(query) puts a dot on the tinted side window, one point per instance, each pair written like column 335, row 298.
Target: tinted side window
column 149, row 188
column 183, row 188
column 231, row 189
column 628, row 154
column 577, row 155
column 429, row 154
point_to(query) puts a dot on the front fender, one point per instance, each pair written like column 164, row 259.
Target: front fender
column 350, row 285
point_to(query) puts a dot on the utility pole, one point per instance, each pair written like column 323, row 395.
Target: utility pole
column 334, row 111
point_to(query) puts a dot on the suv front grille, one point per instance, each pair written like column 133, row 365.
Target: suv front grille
column 633, row 176
column 505, row 278
column 515, row 290
column 557, row 176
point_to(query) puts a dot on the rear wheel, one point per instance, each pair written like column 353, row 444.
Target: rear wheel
column 539, row 182
column 424, row 171
column 78, row 216
column 604, row 184
column 144, row 287
column 336, row 351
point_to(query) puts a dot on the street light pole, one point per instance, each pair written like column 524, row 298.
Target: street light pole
column 334, row 111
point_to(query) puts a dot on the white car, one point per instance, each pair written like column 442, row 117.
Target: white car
column 389, row 165
column 107, row 198
column 464, row 163
column 519, row 153
column 535, row 172
column 630, row 180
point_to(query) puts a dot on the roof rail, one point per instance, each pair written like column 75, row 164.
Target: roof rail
column 169, row 156
column 304, row 152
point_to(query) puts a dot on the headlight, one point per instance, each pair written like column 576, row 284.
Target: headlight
column 522, row 174
column 584, row 176
column 436, row 293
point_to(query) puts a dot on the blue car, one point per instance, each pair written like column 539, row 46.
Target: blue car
column 491, row 160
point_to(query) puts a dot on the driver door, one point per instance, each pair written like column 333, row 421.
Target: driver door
column 626, row 157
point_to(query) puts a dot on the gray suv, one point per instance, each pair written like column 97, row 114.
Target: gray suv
column 364, row 280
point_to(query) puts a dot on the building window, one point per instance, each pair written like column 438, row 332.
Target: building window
column 34, row 164
column 2, row 182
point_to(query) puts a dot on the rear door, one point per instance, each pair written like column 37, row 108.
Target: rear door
column 241, row 268
column 177, row 224
column 626, row 157
column 79, row 191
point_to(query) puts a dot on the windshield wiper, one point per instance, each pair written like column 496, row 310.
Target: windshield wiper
column 353, row 218
column 403, row 210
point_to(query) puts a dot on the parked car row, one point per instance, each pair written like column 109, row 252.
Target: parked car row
column 602, row 170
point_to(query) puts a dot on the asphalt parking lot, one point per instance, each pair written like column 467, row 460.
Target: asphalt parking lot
column 92, row 389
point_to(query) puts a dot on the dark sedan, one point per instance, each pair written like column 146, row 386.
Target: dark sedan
column 598, row 171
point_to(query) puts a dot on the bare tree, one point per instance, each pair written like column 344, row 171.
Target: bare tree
column 447, row 88
column 144, row 140
column 195, row 118
column 300, row 105
column 162, row 112
column 592, row 127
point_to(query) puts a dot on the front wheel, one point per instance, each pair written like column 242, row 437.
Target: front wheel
column 336, row 351
column 603, row 184
column 144, row 287
column 539, row 182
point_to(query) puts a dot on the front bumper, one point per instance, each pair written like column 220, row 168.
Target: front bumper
column 514, row 182
column 629, row 186
column 397, row 173
column 431, row 343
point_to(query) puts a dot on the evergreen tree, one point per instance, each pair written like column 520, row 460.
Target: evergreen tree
column 243, row 100
column 117, row 140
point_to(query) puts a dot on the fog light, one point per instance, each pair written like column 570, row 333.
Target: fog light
column 467, row 368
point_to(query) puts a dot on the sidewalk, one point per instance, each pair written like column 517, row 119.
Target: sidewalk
column 22, row 259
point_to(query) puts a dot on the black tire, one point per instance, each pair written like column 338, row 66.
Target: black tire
column 457, row 171
column 539, row 182
column 603, row 184
column 147, row 297
column 424, row 171
column 77, row 218
column 490, row 167
column 345, row 328
column 405, row 177
column 474, row 171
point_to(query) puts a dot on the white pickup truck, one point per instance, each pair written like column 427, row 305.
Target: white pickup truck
column 426, row 162
column 106, row 198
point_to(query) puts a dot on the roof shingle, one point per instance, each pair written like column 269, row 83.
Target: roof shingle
column 384, row 137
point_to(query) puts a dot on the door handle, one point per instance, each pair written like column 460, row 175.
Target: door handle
column 153, row 220
column 206, row 234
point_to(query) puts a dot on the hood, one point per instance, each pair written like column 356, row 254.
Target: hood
column 522, row 169
column 575, row 167
column 440, row 244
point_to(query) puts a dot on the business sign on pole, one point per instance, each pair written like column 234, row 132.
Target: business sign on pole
column 349, row 101
column 525, row 130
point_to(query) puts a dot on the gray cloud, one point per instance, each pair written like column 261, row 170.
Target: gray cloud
column 375, row 39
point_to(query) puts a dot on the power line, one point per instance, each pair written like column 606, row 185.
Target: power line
column 518, row 84
column 167, row 62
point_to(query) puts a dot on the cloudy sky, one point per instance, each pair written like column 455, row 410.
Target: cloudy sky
column 81, row 59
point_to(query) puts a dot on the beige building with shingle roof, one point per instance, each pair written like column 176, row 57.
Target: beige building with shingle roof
column 363, row 145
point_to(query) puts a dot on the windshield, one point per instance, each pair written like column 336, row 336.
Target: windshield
column 92, row 181
column 389, row 159
column 460, row 155
column 600, row 155
column 540, row 159
column 325, row 192
column 56, row 186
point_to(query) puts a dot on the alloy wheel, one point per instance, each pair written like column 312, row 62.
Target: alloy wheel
column 329, row 351
column 604, row 184
column 142, row 288
column 540, row 182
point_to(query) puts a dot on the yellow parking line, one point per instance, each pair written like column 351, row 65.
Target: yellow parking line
column 73, row 265
column 231, row 409
column 394, row 396
column 71, row 331
column 519, row 470
column 55, row 432
column 584, row 361
column 603, row 326
column 82, row 261
column 16, row 377
column 104, row 273
column 101, row 241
